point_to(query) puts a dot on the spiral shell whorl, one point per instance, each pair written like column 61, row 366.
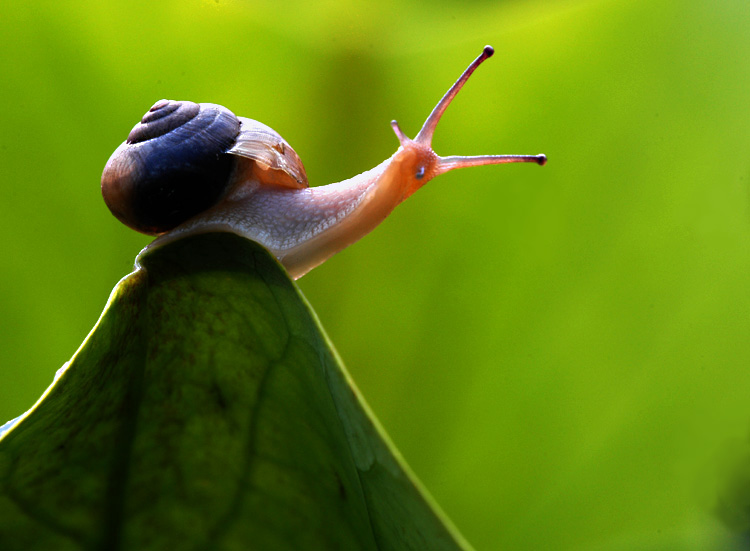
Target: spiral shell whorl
column 172, row 166
column 163, row 117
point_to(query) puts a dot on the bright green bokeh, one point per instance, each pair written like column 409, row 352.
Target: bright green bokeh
column 560, row 353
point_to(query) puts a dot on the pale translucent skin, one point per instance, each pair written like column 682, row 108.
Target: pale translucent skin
column 304, row 227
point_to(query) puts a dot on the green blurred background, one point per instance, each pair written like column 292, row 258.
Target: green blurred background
column 561, row 354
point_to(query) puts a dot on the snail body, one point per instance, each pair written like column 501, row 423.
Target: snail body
column 189, row 168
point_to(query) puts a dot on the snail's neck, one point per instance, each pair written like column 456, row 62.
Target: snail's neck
column 304, row 227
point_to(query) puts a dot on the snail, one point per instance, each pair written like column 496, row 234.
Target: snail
column 189, row 168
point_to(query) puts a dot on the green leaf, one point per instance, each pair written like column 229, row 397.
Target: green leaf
column 207, row 410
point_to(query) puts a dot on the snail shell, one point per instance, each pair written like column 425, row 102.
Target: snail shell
column 184, row 157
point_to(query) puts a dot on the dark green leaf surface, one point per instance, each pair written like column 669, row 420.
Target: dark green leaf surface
column 207, row 411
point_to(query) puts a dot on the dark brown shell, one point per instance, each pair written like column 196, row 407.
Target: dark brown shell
column 172, row 166
column 183, row 157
